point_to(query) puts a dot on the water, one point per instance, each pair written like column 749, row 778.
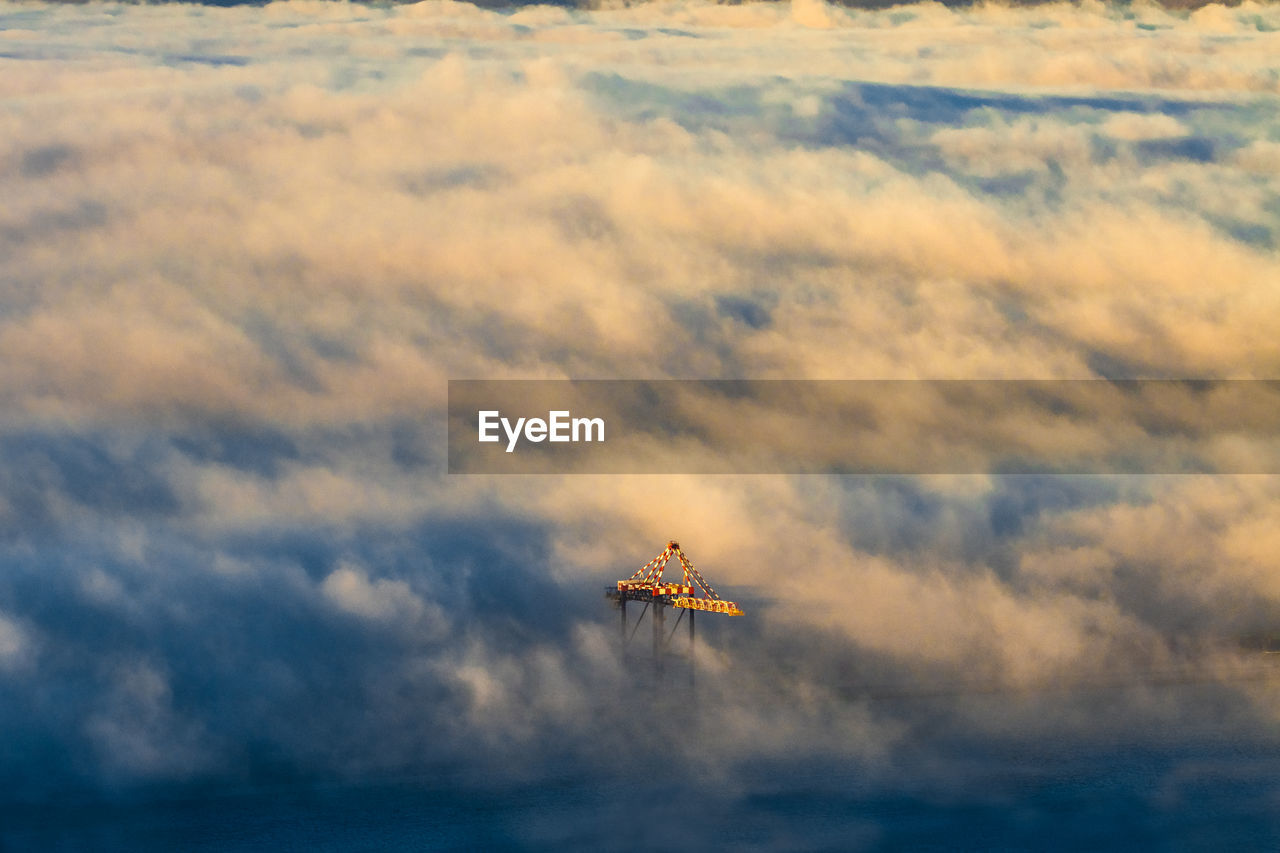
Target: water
column 1213, row 794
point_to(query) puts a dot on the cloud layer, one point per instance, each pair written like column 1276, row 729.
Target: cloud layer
column 244, row 249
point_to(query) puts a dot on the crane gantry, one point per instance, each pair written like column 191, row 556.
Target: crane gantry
column 691, row 594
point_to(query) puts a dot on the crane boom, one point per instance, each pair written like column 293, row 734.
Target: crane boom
column 692, row 593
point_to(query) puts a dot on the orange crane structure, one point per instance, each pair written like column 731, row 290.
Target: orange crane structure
column 691, row 594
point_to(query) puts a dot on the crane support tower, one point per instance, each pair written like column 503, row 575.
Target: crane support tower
column 690, row 595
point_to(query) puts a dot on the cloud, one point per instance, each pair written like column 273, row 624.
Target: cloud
column 383, row 600
column 138, row 733
column 245, row 249
column 13, row 643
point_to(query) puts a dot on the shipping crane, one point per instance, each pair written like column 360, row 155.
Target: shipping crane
column 691, row 594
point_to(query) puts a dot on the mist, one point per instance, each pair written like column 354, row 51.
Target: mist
column 243, row 250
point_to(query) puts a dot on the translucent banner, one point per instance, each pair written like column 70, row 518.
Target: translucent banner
column 864, row 426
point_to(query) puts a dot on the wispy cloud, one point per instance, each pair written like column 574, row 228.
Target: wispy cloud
column 245, row 248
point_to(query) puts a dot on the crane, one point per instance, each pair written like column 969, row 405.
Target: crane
column 691, row 594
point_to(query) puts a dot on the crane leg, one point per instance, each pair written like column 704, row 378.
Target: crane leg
column 658, row 638
column 691, row 659
column 622, row 610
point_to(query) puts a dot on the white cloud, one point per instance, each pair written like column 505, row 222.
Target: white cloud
column 304, row 218
column 14, row 644
column 350, row 589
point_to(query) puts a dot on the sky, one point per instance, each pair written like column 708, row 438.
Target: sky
column 243, row 250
